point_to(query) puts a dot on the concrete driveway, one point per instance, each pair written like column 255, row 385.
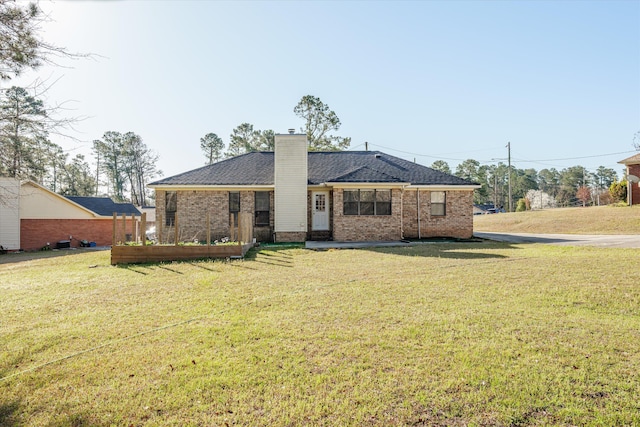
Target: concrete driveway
column 602, row 241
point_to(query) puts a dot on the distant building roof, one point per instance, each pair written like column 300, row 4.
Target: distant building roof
column 633, row 160
column 257, row 168
column 104, row 206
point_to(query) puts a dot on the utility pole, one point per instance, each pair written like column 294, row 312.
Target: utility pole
column 509, row 157
column 495, row 190
column 97, row 172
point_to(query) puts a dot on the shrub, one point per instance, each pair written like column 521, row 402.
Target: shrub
column 618, row 191
column 619, row 205
column 521, row 206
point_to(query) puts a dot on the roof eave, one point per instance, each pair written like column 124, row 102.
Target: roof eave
column 437, row 187
column 225, row 187
column 633, row 160
column 366, row 184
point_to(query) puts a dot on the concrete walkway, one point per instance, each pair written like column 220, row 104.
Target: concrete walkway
column 602, row 241
column 352, row 245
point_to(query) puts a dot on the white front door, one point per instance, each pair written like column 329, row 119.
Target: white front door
column 320, row 210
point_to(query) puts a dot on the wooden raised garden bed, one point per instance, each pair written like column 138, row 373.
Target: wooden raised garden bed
column 157, row 253
column 132, row 254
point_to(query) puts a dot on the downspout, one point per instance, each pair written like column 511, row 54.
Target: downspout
column 418, row 200
column 402, row 213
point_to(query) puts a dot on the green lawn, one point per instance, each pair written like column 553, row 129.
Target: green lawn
column 589, row 220
column 480, row 334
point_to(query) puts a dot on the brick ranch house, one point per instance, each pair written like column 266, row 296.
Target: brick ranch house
column 294, row 195
column 633, row 168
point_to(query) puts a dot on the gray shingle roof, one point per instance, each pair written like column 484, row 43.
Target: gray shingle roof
column 335, row 166
column 104, row 206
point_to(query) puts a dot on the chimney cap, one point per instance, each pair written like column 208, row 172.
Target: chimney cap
column 292, row 131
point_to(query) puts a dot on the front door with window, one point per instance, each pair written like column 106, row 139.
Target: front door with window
column 320, row 210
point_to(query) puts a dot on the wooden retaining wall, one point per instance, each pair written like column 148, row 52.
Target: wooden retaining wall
column 141, row 254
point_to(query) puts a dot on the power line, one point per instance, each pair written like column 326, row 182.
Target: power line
column 576, row 158
column 437, row 157
column 418, row 154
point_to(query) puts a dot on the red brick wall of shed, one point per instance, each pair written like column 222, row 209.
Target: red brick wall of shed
column 635, row 187
column 458, row 221
column 36, row 233
column 354, row 228
column 193, row 206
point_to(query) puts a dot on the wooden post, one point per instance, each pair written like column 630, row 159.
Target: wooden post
column 159, row 228
column 143, row 229
column 124, row 228
column 175, row 226
column 134, row 232
column 115, row 221
column 208, row 229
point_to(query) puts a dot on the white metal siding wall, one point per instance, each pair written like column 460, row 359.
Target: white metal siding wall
column 290, row 175
column 36, row 203
column 10, row 213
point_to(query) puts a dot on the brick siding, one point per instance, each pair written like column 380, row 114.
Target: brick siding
column 192, row 215
column 291, row 236
column 353, row 228
column 402, row 223
column 457, row 221
column 36, row 233
column 635, row 187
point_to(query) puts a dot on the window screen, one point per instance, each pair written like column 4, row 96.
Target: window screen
column 170, row 207
column 438, row 203
column 367, row 202
column 262, row 207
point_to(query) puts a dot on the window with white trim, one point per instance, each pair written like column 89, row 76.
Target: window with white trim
column 438, row 203
column 366, row 202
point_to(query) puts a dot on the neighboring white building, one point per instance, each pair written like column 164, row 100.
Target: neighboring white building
column 9, row 213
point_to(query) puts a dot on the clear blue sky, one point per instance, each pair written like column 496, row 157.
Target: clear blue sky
column 427, row 80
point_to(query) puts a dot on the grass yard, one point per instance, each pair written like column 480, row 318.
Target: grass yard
column 591, row 220
column 478, row 334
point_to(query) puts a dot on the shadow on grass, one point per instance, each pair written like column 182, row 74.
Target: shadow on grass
column 142, row 268
column 76, row 420
column 164, row 267
column 8, row 413
column 273, row 254
column 132, row 267
column 200, row 265
column 467, row 251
